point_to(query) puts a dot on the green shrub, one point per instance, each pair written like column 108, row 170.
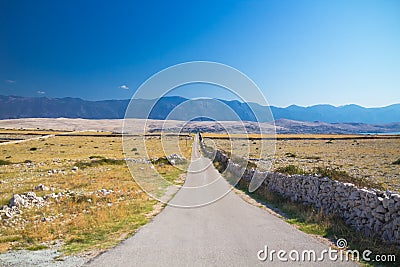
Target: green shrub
column 333, row 173
column 99, row 162
column 96, row 157
column 161, row 160
column 290, row 169
column 5, row 162
column 342, row 176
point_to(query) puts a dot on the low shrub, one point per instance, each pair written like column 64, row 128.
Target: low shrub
column 161, row 160
column 99, row 162
column 313, row 157
column 5, row 162
column 291, row 170
column 96, row 157
column 342, row 176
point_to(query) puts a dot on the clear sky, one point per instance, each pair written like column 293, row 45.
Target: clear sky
column 298, row 52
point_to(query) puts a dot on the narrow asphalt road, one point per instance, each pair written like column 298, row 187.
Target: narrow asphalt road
column 226, row 232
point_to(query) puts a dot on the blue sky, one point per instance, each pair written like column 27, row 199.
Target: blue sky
column 297, row 52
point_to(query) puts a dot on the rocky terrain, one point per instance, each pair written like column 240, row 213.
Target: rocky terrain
column 10, row 214
column 281, row 126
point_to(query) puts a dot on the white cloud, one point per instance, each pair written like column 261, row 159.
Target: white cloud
column 40, row 92
column 124, row 86
column 10, row 81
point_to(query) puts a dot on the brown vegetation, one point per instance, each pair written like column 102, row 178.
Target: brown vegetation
column 91, row 200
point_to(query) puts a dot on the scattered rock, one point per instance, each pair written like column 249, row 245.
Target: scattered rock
column 105, row 192
column 55, row 171
column 17, row 201
column 48, row 219
column 41, row 187
column 10, row 214
column 176, row 159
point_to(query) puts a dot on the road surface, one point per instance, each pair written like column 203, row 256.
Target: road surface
column 227, row 232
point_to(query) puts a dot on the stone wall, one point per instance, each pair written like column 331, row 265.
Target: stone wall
column 371, row 212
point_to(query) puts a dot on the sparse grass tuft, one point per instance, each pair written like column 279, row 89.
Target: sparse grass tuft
column 334, row 174
column 5, row 162
column 36, row 247
column 99, row 162
column 10, row 238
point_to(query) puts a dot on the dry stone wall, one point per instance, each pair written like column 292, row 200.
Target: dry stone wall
column 371, row 212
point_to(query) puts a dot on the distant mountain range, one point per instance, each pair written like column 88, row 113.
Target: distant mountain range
column 13, row 107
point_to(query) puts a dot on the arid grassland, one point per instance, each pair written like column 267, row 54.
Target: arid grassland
column 76, row 190
column 369, row 162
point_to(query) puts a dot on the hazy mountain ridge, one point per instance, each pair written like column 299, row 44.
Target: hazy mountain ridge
column 12, row 107
column 332, row 114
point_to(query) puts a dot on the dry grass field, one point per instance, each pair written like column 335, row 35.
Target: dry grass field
column 369, row 160
column 87, row 198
